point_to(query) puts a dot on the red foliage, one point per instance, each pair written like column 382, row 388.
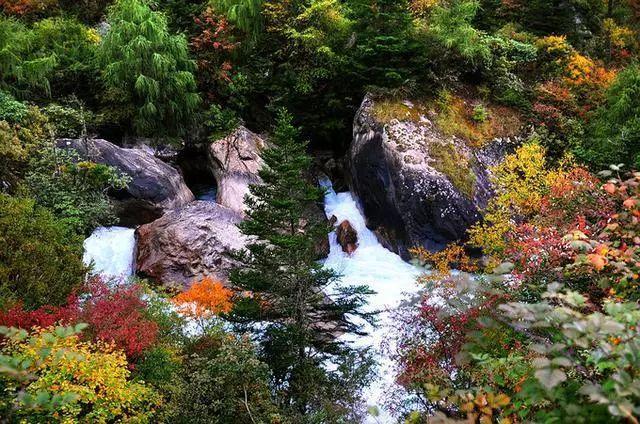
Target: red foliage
column 211, row 47
column 117, row 315
column 431, row 339
column 43, row 317
column 114, row 315
column 26, row 7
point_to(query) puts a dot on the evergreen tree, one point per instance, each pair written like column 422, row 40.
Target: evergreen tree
column 298, row 321
column 148, row 70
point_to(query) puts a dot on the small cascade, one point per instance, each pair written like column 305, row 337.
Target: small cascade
column 383, row 271
column 111, row 250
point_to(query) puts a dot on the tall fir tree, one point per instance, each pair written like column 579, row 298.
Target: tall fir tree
column 147, row 71
column 315, row 375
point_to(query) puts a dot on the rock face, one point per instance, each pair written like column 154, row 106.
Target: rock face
column 347, row 237
column 234, row 162
column 418, row 187
column 155, row 186
column 189, row 243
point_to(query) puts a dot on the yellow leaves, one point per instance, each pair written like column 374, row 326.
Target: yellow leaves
column 205, row 299
column 95, row 373
column 453, row 256
column 582, row 71
column 484, row 407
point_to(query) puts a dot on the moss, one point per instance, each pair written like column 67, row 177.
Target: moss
column 387, row 110
column 454, row 166
column 455, row 115
column 458, row 116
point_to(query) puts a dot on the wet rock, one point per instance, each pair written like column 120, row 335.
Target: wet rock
column 155, row 186
column 189, row 243
column 347, row 237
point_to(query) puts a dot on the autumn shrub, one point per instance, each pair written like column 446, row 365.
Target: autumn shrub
column 204, row 300
column 63, row 378
column 41, row 259
column 117, row 315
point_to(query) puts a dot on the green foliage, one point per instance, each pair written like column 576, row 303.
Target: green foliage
column 288, row 287
column 40, row 262
column 20, row 68
column 615, row 136
column 147, row 71
column 11, row 110
column 56, row 56
column 68, row 122
column 244, row 14
column 451, row 25
column 12, row 154
column 74, row 190
column 224, row 382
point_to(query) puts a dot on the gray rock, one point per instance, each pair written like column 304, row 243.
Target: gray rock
column 155, row 186
column 234, row 162
column 189, row 243
column 418, row 187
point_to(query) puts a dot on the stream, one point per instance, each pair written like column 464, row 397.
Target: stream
column 111, row 251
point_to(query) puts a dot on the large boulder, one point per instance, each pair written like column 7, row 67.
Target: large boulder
column 189, row 243
column 155, row 186
column 235, row 161
column 418, row 187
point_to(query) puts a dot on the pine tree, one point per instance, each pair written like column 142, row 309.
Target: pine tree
column 149, row 70
column 298, row 321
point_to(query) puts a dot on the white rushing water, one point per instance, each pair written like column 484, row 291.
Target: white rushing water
column 384, row 272
column 110, row 251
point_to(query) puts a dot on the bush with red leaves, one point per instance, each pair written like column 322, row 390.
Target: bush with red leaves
column 114, row 314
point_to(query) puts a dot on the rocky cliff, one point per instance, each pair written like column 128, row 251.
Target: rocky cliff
column 417, row 185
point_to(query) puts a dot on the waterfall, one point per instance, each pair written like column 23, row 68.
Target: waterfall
column 384, row 272
column 110, row 250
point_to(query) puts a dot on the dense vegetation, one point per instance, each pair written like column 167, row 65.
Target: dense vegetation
column 546, row 331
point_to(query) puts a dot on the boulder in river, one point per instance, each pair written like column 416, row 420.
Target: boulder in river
column 418, row 186
column 234, row 161
column 155, row 187
column 347, row 237
column 189, row 243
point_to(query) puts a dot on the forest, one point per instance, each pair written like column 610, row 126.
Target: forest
column 320, row 211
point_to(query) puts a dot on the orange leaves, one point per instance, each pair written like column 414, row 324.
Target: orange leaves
column 205, row 299
column 26, row 7
column 598, row 261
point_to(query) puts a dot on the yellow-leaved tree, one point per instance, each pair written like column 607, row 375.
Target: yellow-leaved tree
column 520, row 182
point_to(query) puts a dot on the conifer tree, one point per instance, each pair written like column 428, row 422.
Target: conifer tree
column 289, row 289
column 148, row 70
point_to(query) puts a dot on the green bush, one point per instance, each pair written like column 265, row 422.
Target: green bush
column 68, row 122
column 73, row 189
column 40, row 259
column 224, row 382
column 11, row 110
column 615, row 134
